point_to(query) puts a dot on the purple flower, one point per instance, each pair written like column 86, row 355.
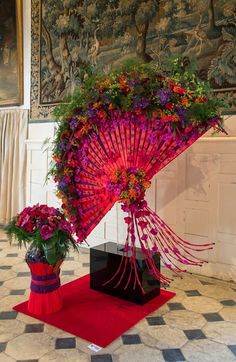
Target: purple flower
column 152, row 138
column 77, row 175
column 59, row 165
column 141, row 103
column 62, row 146
column 62, row 183
column 117, row 191
column 132, row 169
column 73, row 123
column 46, row 232
column 132, row 82
column 168, row 136
column 85, row 161
column 91, row 112
column 94, row 136
column 164, row 95
column 182, row 112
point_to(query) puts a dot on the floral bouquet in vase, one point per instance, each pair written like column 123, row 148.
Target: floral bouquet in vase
column 48, row 237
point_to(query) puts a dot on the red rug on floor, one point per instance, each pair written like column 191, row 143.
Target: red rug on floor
column 99, row 318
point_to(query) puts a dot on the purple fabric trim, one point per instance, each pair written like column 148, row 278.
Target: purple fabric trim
column 42, row 289
column 44, row 277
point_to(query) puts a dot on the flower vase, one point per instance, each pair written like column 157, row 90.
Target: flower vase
column 45, row 295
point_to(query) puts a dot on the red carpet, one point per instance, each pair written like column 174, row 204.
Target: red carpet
column 99, row 318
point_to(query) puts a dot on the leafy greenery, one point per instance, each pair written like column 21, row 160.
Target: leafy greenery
column 172, row 68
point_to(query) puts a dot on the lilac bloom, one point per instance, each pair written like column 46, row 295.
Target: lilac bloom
column 62, row 146
column 141, row 103
column 62, row 183
column 164, row 95
column 91, row 113
column 73, row 123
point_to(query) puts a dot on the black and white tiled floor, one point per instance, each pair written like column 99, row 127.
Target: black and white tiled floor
column 198, row 325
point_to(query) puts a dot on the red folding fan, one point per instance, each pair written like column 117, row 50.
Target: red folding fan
column 123, row 128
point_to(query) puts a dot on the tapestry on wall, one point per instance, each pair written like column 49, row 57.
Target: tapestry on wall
column 69, row 36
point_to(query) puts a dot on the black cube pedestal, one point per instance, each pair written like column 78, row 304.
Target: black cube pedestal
column 104, row 262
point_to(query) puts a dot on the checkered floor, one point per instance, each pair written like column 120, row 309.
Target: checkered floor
column 198, row 325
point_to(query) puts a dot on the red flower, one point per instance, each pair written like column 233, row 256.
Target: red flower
column 65, row 134
column 102, row 114
column 169, row 105
column 178, row 90
column 143, row 118
column 29, row 227
column 22, row 220
column 72, row 188
column 77, row 134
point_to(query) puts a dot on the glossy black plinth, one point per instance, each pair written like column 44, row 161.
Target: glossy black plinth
column 104, row 262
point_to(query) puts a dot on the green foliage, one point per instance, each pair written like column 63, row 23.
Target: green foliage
column 13, row 232
column 172, row 68
column 54, row 249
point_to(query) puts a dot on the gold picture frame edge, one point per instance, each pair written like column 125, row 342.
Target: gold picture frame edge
column 20, row 73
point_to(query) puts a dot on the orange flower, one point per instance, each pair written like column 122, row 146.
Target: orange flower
column 179, row 90
column 97, row 105
column 113, row 178
column 138, row 112
column 124, row 174
column 132, row 178
column 184, row 101
column 170, row 118
column 146, row 184
column 83, row 120
column 123, row 80
column 157, row 113
column 85, row 129
column 132, row 193
column 56, row 158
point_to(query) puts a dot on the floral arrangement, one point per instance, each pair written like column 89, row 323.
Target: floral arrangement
column 45, row 228
column 130, row 185
column 114, row 135
column 134, row 93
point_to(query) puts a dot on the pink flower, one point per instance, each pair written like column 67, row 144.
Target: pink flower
column 64, row 225
column 23, row 220
column 126, row 248
column 154, row 231
column 155, row 249
column 143, row 224
column 128, row 219
column 46, row 232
